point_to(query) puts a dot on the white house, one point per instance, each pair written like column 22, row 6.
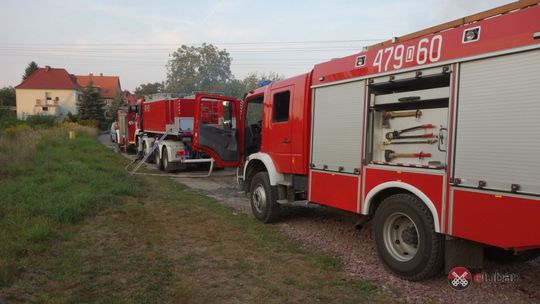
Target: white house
column 47, row 91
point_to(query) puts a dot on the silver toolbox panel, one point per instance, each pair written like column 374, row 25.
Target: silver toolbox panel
column 338, row 126
column 498, row 123
column 429, row 94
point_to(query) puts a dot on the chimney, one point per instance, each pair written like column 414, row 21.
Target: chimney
column 47, row 68
column 100, row 74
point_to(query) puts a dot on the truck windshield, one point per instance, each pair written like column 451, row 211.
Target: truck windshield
column 253, row 125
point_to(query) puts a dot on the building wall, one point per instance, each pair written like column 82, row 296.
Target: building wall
column 61, row 102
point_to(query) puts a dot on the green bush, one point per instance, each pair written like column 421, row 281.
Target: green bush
column 89, row 123
column 17, row 129
column 7, row 121
column 41, row 121
column 105, row 124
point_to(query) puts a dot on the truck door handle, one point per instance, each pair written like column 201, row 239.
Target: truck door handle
column 286, row 141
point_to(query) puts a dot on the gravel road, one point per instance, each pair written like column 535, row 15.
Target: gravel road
column 334, row 232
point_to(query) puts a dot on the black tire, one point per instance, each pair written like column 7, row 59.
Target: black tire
column 159, row 160
column 167, row 166
column 405, row 238
column 263, row 199
column 147, row 150
column 506, row 257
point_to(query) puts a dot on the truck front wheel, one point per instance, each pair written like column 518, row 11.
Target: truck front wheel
column 263, row 198
column 405, row 238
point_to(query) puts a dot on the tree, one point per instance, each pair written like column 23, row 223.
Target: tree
column 149, row 88
column 252, row 80
column 7, row 96
column 31, row 68
column 234, row 88
column 118, row 102
column 91, row 104
column 205, row 68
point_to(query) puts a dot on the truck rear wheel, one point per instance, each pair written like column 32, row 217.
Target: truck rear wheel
column 405, row 238
column 167, row 166
column 159, row 160
column 263, row 198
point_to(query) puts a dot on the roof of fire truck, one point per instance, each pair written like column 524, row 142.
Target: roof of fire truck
column 509, row 26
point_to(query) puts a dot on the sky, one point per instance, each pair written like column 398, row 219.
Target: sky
column 133, row 39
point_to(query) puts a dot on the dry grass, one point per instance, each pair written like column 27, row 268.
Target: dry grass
column 18, row 143
column 171, row 245
column 161, row 244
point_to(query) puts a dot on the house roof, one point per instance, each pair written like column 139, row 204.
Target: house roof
column 130, row 98
column 50, row 78
column 108, row 86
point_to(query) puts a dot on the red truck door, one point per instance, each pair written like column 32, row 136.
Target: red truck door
column 280, row 127
column 221, row 138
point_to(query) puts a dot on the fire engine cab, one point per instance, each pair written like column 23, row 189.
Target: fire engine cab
column 433, row 136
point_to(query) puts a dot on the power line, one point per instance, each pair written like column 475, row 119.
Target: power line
column 200, row 43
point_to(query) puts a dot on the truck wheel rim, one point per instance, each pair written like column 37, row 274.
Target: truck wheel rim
column 259, row 198
column 401, row 237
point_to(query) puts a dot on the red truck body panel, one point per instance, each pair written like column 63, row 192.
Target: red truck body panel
column 157, row 114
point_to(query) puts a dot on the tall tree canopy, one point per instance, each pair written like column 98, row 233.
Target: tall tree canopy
column 192, row 69
column 90, row 104
column 149, row 88
column 31, row 68
column 7, row 96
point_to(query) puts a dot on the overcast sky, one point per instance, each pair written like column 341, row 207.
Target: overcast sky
column 133, row 39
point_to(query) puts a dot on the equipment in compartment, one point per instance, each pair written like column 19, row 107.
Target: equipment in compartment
column 391, row 114
column 428, row 142
column 420, row 99
column 396, row 134
column 389, row 155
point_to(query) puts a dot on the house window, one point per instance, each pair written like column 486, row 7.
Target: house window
column 48, row 95
column 281, row 106
column 45, row 109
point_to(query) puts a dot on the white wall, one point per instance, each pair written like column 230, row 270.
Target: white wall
column 26, row 102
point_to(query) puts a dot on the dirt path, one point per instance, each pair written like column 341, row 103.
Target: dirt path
column 334, row 232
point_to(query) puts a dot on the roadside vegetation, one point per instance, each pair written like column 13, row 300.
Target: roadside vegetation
column 48, row 182
column 77, row 228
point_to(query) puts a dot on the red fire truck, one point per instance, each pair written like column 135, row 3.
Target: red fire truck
column 171, row 119
column 126, row 126
column 433, row 136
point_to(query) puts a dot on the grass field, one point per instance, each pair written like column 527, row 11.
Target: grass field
column 79, row 229
column 47, row 182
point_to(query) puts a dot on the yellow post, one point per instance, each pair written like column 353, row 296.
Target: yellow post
column 72, row 135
